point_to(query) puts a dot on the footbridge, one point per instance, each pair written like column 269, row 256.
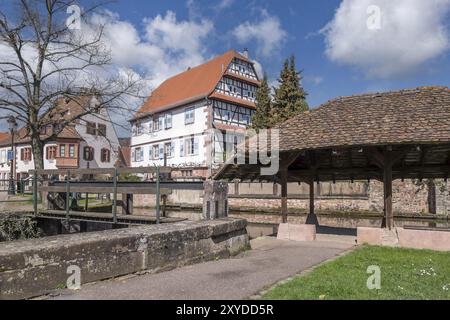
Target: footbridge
column 59, row 188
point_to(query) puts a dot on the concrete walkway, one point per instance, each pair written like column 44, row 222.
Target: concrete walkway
column 270, row 261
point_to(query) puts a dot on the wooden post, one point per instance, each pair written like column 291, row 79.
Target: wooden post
column 284, row 205
column 311, row 218
column 35, row 193
column 158, row 196
column 86, row 204
column 387, row 182
column 114, row 204
column 67, row 194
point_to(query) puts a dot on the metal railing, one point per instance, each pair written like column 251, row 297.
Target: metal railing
column 21, row 186
column 61, row 181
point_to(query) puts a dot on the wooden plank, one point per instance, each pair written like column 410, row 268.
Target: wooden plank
column 109, row 171
column 138, row 170
column 73, row 172
column 101, row 215
column 97, row 190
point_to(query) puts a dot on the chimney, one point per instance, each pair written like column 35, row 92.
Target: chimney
column 245, row 54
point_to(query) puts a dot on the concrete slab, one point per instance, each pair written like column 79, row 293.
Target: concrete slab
column 424, row 239
column 405, row 238
column 269, row 261
column 296, row 232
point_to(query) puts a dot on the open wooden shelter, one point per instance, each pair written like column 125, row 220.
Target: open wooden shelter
column 383, row 136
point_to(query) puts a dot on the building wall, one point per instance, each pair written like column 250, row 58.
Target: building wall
column 111, row 142
column 408, row 197
column 177, row 135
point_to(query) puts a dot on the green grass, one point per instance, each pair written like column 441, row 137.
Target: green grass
column 405, row 274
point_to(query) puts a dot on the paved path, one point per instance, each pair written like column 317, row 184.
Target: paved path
column 270, row 261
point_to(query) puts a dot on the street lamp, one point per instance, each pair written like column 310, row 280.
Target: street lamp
column 12, row 128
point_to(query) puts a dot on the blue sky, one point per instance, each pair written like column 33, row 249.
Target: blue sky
column 344, row 47
column 410, row 49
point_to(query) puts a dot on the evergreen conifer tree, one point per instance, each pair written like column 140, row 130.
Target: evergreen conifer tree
column 262, row 118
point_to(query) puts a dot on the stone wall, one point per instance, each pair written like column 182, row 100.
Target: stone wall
column 35, row 267
column 408, row 197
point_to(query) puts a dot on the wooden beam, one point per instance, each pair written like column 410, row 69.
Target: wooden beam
column 388, row 220
column 109, row 171
column 284, row 205
column 374, row 156
column 311, row 217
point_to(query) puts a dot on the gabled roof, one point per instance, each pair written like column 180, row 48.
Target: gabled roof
column 64, row 109
column 189, row 86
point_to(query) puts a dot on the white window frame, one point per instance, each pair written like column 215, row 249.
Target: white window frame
column 189, row 115
column 168, row 121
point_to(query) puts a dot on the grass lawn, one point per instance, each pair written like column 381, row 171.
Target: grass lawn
column 405, row 274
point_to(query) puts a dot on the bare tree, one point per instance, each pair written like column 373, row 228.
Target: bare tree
column 48, row 58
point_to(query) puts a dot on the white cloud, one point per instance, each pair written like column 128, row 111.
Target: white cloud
column 224, row 4
column 316, row 80
column 411, row 33
column 168, row 46
column 268, row 34
column 258, row 69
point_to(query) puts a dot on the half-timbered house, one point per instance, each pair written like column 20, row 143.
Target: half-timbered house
column 196, row 118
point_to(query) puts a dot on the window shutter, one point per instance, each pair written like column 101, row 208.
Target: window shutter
column 168, row 121
column 195, row 146
column 161, row 151
column 22, row 154
column 181, row 148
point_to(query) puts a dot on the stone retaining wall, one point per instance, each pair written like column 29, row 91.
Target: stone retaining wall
column 408, row 197
column 35, row 267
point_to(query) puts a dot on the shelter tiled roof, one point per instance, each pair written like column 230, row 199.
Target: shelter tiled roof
column 420, row 115
column 194, row 84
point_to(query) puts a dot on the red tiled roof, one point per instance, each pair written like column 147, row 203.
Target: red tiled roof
column 189, row 86
column 420, row 115
column 4, row 136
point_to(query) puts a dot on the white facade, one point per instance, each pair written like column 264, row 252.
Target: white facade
column 4, row 166
column 98, row 142
column 184, row 129
column 67, row 153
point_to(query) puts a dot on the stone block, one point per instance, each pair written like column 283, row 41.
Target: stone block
column 424, row 239
column 296, row 232
column 372, row 236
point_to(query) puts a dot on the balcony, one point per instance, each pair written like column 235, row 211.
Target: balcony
column 66, row 163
